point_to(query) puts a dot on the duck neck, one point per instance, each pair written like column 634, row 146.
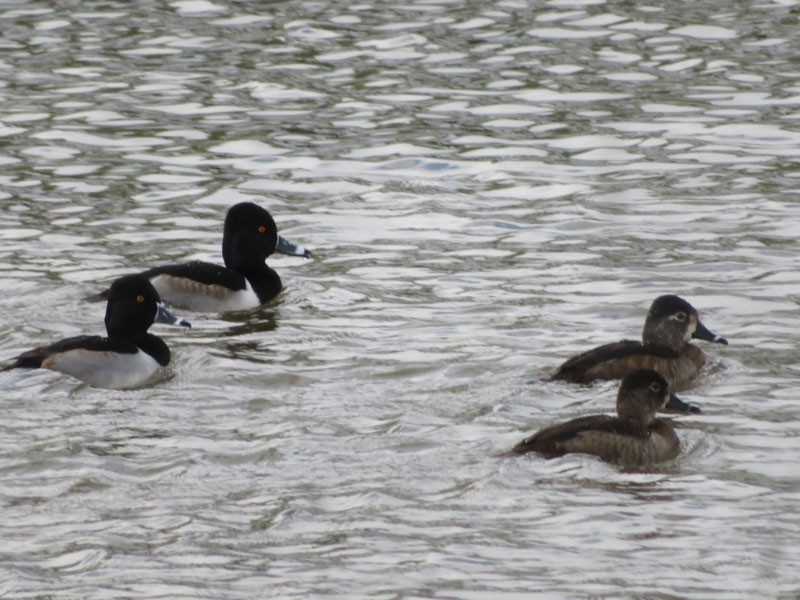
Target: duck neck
column 266, row 283
column 664, row 337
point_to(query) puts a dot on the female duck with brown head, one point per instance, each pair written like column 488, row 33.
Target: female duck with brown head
column 670, row 326
column 634, row 437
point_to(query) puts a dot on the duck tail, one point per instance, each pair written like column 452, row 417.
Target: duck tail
column 99, row 297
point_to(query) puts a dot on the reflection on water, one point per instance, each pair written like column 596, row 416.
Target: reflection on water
column 487, row 189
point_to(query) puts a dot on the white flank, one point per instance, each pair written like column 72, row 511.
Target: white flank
column 179, row 291
column 105, row 369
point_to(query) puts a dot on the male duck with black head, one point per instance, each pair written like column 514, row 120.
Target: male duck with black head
column 634, row 437
column 245, row 282
column 665, row 347
column 128, row 357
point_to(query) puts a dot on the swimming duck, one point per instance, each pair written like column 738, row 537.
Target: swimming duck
column 128, row 357
column 634, row 437
column 245, row 282
column 665, row 347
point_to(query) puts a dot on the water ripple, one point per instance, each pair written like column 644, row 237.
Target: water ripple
column 487, row 189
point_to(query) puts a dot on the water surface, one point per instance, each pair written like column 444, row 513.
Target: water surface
column 488, row 188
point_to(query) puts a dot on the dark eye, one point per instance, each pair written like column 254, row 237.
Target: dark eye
column 655, row 387
column 681, row 316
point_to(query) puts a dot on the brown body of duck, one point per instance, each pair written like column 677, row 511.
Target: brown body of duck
column 665, row 347
column 634, row 437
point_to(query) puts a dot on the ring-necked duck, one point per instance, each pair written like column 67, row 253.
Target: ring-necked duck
column 634, row 437
column 665, row 347
column 128, row 357
column 249, row 237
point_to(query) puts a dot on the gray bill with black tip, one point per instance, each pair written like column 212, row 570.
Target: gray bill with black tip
column 677, row 405
column 284, row 246
column 163, row 315
column 702, row 333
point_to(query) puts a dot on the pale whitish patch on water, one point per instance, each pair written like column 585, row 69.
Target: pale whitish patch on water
column 598, row 21
column 552, row 33
column 767, row 43
column 509, row 109
column 159, row 195
column 194, row 108
column 746, row 77
column 150, row 51
column 546, row 95
column 19, row 234
column 51, row 152
column 247, row 148
column 575, row 3
column 552, row 16
column 400, row 41
column 629, row 77
column 762, row 99
column 541, row 192
column 340, row 56
column 392, row 150
column 298, row 187
column 640, row 26
column 617, row 56
column 346, row 20
column 476, row 23
column 564, row 69
column 6, row 131
column 25, row 12
column 584, row 142
column 88, row 139
column 275, row 92
column 241, row 20
column 682, row 65
column 748, row 133
column 100, row 15
column 441, row 57
column 80, row 187
column 303, row 30
column 717, row 158
column 23, row 117
column 183, row 160
column 705, row 32
column 402, row 98
column 669, row 108
column 606, row 155
column 94, row 116
column 73, row 170
column 171, row 178
column 189, row 7
column 505, row 124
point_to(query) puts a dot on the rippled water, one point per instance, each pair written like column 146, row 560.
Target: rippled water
column 488, row 188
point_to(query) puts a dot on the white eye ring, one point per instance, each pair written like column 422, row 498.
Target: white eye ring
column 680, row 316
column 655, row 387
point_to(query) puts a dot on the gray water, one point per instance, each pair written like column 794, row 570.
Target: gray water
column 488, row 188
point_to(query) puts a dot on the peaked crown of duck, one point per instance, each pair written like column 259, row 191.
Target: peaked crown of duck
column 132, row 306
column 249, row 236
column 641, row 394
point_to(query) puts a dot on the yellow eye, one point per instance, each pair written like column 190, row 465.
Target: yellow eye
column 140, row 298
column 261, row 229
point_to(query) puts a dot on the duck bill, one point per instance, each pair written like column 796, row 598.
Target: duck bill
column 676, row 405
column 284, row 246
column 702, row 333
column 163, row 315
